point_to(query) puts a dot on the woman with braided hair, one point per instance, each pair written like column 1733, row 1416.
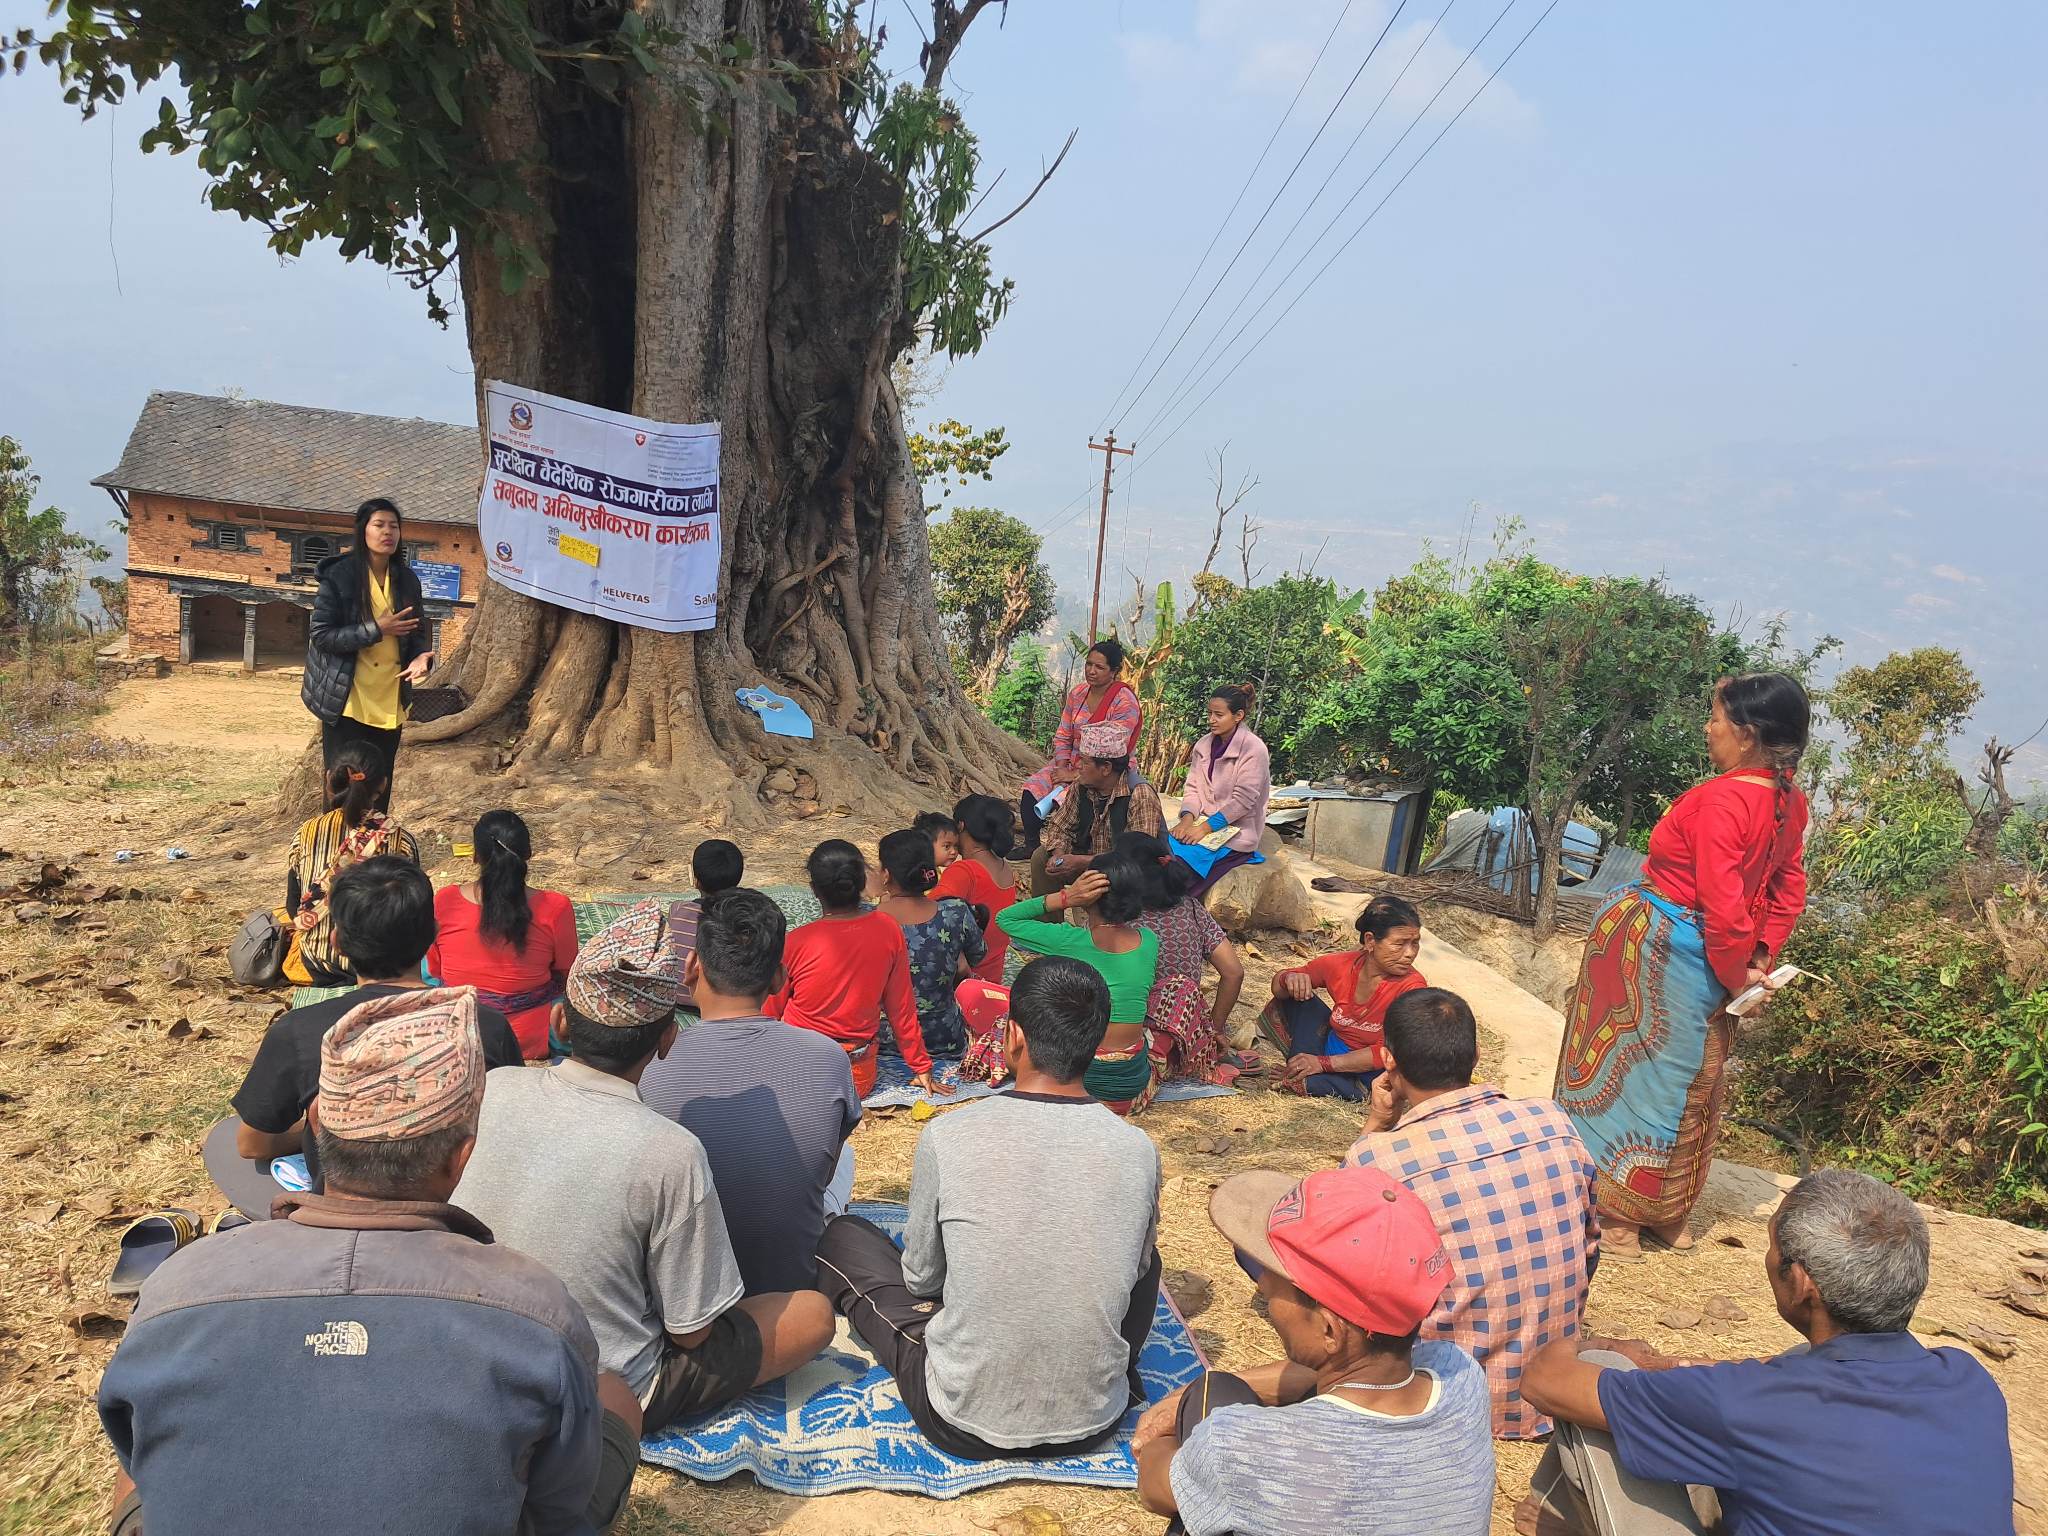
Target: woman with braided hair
column 1648, row 1033
column 511, row 941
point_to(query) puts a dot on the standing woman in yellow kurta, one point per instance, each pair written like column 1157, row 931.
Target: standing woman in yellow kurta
column 367, row 644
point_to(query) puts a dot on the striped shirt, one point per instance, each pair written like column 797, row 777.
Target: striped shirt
column 1328, row 1465
column 772, row 1104
column 1511, row 1187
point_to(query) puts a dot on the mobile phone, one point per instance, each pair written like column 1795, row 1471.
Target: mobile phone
column 1747, row 1000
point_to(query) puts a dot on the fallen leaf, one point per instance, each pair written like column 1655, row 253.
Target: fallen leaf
column 57, row 1045
column 1731, row 1240
column 178, row 971
column 65, row 919
column 1679, row 1317
column 89, row 1320
column 238, row 855
column 185, row 1029
column 2033, row 1304
column 1028, row 1520
column 1725, row 1309
column 1191, row 1292
column 191, row 895
column 41, row 978
column 43, row 1215
column 1986, row 1341
column 99, row 1205
column 643, row 874
column 120, row 996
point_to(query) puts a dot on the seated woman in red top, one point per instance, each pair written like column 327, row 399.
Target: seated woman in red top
column 849, row 969
column 513, row 944
column 1336, row 1049
column 982, row 876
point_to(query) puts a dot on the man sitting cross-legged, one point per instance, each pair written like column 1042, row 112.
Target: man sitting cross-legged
column 382, row 911
column 371, row 1360
column 1862, row 1429
column 1509, row 1183
column 1361, row 1429
column 572, row 1168
column 1013, row 1318
column 772, row 1104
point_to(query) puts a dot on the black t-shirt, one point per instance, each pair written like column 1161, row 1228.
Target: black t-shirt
column 285, row 1076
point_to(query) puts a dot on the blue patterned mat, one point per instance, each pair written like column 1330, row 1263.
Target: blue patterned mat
column 894, row 1091
column 838, row 1424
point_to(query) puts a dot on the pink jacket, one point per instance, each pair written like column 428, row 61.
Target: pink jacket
column 1236, row 786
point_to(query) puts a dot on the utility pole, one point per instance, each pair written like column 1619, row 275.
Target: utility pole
column 1109, row 451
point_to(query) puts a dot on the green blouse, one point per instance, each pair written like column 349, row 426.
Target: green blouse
column 1128, row 976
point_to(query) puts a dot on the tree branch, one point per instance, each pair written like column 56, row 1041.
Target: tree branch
column 949, row 25
column 976, row 239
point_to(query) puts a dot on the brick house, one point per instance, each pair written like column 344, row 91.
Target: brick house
column 231, row 504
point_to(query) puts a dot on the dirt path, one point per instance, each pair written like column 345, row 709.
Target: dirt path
column 121, row 1040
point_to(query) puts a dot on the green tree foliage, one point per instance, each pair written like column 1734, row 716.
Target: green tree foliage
column 354, row 121
column 1277, row 636
column 1901, row 714
column 954, row 454
column 1013, row 703
column 991, row 588
column 40, row 558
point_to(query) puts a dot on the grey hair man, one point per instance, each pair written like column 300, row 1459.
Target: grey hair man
column 1809, row 1441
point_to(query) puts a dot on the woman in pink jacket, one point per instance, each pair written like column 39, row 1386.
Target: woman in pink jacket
column 1230, row 778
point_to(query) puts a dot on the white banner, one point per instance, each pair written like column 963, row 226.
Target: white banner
column 599, row 511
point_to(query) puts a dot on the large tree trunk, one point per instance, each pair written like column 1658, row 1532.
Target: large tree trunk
column 742, row 268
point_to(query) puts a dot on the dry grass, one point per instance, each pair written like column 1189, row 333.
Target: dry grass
column 101, row 1114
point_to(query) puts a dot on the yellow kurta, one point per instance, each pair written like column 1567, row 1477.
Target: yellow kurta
column 373, row 697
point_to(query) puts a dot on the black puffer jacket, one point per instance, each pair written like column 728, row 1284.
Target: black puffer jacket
column 340, row 628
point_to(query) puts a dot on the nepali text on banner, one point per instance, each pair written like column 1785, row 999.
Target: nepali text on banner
column 609, row 514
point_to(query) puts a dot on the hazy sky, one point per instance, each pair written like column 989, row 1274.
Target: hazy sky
column 1749, row 293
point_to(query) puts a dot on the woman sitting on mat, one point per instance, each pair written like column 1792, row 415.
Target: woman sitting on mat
column 1335, row 1049
column 943, row 937
column 849, row 970
column 982, row 876
column 512, row 943
column 1100, row 697
column 351, row 830
column 1230, row 779
column 1188, row 1035
column 1123, row 954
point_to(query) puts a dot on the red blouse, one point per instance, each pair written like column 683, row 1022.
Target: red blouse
column 529, row 980
column 1721, row 851
column 844, row 975
column 1360, row 1022
column 965, row 880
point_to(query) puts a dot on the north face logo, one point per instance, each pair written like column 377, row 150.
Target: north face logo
column 340, row 1339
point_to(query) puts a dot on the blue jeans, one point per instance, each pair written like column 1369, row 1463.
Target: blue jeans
column 1309, row 1033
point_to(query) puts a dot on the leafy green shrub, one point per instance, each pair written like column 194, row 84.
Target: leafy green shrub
column 1014, row 703
column 1909, row 835
column 1917, row 1057
column 1277, row 636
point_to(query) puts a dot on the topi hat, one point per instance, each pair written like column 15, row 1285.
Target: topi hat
column 402, row 1065
column 629, row 974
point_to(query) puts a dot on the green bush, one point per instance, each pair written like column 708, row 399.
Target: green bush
column 1909, row 835
column 1916, row 1057
column 1013, row 703
column 1277, row 636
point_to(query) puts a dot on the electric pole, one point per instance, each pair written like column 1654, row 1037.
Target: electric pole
column 1109, row 451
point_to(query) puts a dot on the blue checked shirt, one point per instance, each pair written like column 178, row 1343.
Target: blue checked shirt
column 1511, row 1186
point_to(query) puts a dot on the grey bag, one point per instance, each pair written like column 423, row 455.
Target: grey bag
column 256, row 957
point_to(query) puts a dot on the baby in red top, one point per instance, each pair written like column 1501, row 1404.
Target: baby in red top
column 1335, row 1048
column 849, row 970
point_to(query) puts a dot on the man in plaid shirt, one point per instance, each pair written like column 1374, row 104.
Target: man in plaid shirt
column 1510, row 1184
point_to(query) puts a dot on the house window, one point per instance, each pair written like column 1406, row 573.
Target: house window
column 231, row 537
column 308, row 550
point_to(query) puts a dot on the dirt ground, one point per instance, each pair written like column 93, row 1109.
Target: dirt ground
column 121, row 1039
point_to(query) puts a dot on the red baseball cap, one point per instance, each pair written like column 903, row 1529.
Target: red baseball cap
column 1352, row 1239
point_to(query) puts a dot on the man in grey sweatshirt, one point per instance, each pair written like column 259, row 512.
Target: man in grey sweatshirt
column 1013, row 1317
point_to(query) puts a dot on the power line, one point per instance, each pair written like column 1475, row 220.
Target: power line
column 1348, row 239
column 1213, row 357
column 1167, row 319
column 1260, row 221
column 1206, row 359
